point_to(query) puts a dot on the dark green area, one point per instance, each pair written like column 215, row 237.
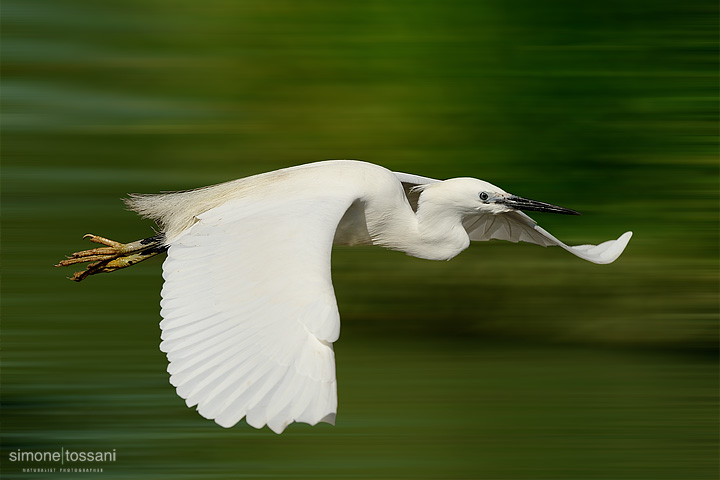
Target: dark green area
column 509, row 362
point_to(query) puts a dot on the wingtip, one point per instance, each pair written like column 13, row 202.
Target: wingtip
column 616, row 248
column 624, row 239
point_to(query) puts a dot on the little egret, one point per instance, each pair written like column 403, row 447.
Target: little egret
column 248, row 307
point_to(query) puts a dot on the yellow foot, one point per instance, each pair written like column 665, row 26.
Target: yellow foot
column 114, row 255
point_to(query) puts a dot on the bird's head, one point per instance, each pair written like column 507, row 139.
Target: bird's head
column 470, row 196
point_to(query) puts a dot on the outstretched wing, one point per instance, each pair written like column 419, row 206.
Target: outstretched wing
column 518, row 227
column 249, row 311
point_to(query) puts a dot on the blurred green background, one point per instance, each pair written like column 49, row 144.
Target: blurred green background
column 509, row 362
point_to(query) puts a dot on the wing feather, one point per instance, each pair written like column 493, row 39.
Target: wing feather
column 518, row 227
column 249, row 317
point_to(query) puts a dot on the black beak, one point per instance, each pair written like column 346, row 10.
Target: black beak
column 520, row 203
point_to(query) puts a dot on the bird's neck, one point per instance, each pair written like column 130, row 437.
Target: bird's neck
column 433, row 232
column 440, row 234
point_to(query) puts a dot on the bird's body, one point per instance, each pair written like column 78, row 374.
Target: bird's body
column 371, row 202
column 248, row 307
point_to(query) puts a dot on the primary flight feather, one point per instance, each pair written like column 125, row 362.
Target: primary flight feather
column 248, row 307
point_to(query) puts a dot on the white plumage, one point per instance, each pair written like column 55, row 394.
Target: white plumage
column 248, row 307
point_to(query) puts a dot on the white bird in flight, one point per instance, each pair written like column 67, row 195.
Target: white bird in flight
column 248, row 307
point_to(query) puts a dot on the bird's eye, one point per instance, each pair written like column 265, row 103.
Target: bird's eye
column 484, row 196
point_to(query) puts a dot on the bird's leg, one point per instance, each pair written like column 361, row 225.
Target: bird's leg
column 114, row 255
